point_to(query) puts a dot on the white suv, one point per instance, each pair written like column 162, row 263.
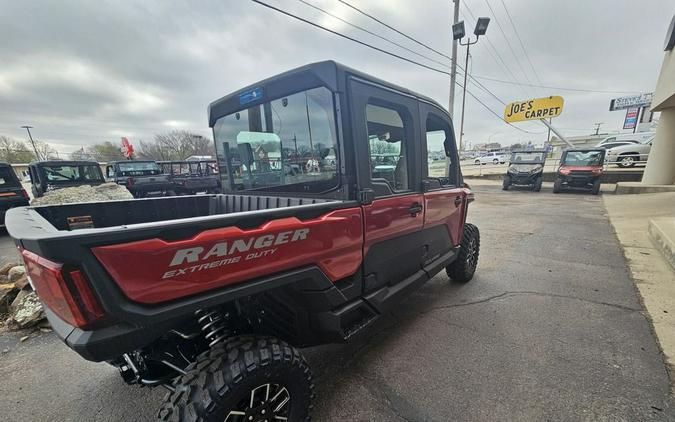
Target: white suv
column 491, row 157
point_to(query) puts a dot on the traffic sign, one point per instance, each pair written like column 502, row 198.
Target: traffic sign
column 534, row 109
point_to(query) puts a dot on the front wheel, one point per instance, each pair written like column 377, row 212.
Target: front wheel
column 537, row 184
column 506, row 183
column 247, row 378
column 596, row 187
column 557, row 186
column 495, row 161
column 463, row 268
column 477, row 162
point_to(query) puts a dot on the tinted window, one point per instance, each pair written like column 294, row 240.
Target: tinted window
column 8, row 178
column 387, row 146
column 438, row 137
column 287, row 145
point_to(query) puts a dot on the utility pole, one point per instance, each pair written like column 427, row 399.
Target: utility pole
column 453, row 68
column 37, row 154
column 597, row 127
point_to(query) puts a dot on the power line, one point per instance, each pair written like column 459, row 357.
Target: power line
column 496, row 54
column 316, row 25
column 499, row 25
column 557, row 87
column 520, row 40
column 394, row 29
column 372, row 33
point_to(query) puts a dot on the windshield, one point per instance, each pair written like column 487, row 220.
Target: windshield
column 582, row 158
column 528, row 157
column 286, row 145
column 138, row 168
column 72, row 173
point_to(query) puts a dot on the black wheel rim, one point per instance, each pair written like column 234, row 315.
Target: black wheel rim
column 471, row 256
column 267, row 402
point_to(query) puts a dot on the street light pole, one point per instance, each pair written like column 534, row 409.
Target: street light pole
column 466, row 73
column 37, row 154
column 453, row 65
column 458, row 33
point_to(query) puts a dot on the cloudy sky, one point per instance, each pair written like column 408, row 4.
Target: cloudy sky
column 84, row 72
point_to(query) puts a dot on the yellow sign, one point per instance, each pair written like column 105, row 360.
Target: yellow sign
column 534, row 109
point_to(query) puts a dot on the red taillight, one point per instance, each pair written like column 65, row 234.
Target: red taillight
column 564, row 171
column 130, row 181
column 67, row 294
column 24, row 193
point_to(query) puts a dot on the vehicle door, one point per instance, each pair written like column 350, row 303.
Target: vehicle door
column 444, row 197
column 386, row 141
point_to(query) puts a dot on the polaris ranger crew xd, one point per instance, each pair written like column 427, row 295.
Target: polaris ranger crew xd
column 210, row 296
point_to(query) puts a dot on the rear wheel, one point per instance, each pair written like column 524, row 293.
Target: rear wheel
column 477, row 162
column 247, row 378
column 463, row 268
column 537, row 184
column 506, row 183
column 557, row 186
column 495, row 161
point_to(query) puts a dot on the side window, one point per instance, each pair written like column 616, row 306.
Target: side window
column 439, row 139
column 388, row 147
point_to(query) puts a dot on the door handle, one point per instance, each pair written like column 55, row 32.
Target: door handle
column 458, row 201
column 415, row 209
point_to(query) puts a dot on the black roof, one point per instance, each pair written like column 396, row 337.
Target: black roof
column 132, row 161
column 327, row 73
column 64, row 163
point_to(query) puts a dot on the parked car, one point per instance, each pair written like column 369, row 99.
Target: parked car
column 140, row 177
column 632, row 138
column 50, row 175
column 491, row 157
column 526, row 168
column 12, row 193
column 580, row 169
column 629, row 155
column 211, row 295
column 191, row 177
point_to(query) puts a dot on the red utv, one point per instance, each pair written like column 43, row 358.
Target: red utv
column 580, row 169
column 210, row 296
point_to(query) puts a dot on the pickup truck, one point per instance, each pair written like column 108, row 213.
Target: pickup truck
column 140, row 177
column 211, row 296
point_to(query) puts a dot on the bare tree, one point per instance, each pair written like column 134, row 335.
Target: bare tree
column 176, row 145
column 12, row 151
column 45, row 151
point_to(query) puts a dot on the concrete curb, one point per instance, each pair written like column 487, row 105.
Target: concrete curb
column 662, row 235
column 623, row 188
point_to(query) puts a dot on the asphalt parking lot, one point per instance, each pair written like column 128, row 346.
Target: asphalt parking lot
column 550, row 329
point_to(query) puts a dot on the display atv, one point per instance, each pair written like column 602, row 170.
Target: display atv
column 526, row 168
column 141, row 178
column 211, row 295
column 580, row 169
